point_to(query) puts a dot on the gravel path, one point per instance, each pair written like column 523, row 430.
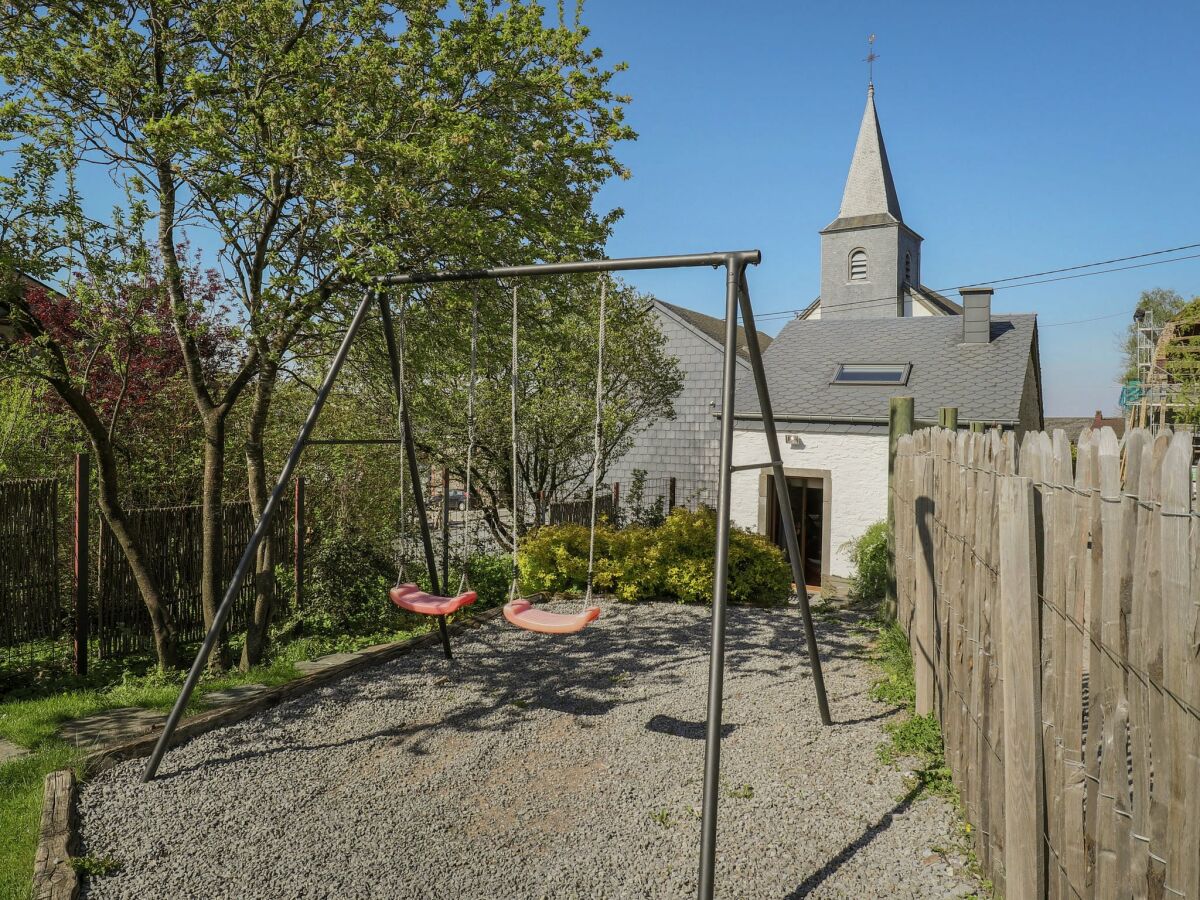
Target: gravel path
column 534, row 766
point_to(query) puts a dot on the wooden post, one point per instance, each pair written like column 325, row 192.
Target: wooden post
column 1179, row 665
column 83, row 483
column 948, row 417
column 977, row 427
column 298, row 527
column 671, row 494
column 1024, row 801
column 924, row 615
column 900, row 422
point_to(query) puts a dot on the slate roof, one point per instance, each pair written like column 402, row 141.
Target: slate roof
column 714, row 328
column 870, row 190
column 985, row 382
column 1074, row 425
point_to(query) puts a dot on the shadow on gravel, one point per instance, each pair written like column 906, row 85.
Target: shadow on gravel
column 586, row 674
column 693, row 731
column 817, row 878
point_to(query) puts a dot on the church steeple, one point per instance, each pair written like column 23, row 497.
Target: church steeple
column 869, row 186
column 869, row 257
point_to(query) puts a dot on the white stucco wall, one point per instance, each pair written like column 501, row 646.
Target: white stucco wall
column 856, row 463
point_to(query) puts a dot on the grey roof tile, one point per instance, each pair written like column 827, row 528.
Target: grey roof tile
column 985, row 381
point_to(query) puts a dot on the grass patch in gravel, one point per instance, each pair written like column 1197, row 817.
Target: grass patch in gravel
column 913, row 737
column 31, row 717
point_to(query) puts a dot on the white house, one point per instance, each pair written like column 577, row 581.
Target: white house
column 874, row 333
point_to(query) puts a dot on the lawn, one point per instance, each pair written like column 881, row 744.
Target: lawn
column 32, row 715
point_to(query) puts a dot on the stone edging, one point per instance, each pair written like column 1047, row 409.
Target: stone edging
column 53, row 876
column 193, row 726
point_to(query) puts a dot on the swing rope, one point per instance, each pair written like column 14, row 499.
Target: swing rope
column 401, row 400
column 465, row 581
column 512, row 591
column 597, row 437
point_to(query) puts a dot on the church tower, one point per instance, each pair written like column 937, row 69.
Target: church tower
column 869, row 257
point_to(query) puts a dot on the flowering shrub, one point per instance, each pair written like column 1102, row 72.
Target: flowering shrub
column 673, row 561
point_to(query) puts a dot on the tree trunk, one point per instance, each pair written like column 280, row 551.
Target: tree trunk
column 166, row 641
column 256, row 481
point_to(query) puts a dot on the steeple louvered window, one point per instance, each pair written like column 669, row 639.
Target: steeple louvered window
column 858, row 265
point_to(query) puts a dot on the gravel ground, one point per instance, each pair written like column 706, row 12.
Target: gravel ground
column 535, row 766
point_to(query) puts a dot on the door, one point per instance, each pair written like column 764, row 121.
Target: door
column 807, row 497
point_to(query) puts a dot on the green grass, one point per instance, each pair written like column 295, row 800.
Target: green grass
column 31, row 716
column 913, row 736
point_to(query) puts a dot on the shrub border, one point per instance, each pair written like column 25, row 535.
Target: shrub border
column 53, row 876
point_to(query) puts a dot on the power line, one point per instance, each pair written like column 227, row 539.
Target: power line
column 1105, row 262
column 1127, row 312
column 1157, row 262
column 784, row 313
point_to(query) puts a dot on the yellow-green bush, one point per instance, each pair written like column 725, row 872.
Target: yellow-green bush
column 671, row 561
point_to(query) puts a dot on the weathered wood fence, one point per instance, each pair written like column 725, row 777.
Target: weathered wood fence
column 1053, row 609
column 30, row 607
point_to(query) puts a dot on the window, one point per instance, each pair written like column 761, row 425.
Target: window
column 908, row 268
column 858, row 265
column 872, row 373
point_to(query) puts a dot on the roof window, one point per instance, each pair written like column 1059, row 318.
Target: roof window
column 872, row 373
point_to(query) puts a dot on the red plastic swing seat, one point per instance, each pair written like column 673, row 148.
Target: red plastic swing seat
column 412, row 598
column 525, row 615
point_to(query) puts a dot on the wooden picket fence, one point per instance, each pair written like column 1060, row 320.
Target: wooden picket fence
column 1053, row 610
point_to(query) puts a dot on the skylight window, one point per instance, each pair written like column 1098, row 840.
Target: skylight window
column 872, row 373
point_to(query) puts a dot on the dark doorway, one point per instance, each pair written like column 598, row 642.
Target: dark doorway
column 808, row 498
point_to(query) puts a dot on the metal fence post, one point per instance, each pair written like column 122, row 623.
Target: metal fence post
column 83, row 496
column 298, row 536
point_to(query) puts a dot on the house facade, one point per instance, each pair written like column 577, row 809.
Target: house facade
column 875, row 332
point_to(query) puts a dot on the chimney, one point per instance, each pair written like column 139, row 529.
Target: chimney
column 977, row 315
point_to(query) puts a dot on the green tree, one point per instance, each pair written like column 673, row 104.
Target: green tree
column 81, row 343
column 318, row 139
column 486, row 143
column 558, row 329
column 1182, row 362
column 1160, row 303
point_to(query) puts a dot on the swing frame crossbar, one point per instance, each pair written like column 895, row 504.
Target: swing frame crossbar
column 737, row 300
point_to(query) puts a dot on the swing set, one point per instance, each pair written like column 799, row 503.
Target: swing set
column 519, row 611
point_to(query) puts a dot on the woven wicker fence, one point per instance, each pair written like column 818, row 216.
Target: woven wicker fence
column 30, row 590
column 172, row 539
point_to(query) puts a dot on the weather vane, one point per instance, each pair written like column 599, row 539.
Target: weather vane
column 870, row 60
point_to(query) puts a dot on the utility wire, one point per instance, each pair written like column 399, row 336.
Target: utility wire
column 1105, row 262
column 785, row 313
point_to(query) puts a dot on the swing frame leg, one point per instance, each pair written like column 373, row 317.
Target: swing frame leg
column 445, row 637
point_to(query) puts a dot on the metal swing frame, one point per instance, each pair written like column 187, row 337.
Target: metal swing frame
column 737, row 298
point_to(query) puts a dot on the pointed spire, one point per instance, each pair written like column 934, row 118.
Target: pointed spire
column 869, row 188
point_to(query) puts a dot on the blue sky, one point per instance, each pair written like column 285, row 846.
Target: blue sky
column 1022, row 137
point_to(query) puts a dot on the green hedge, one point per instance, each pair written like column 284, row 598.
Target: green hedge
column 672, row 561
